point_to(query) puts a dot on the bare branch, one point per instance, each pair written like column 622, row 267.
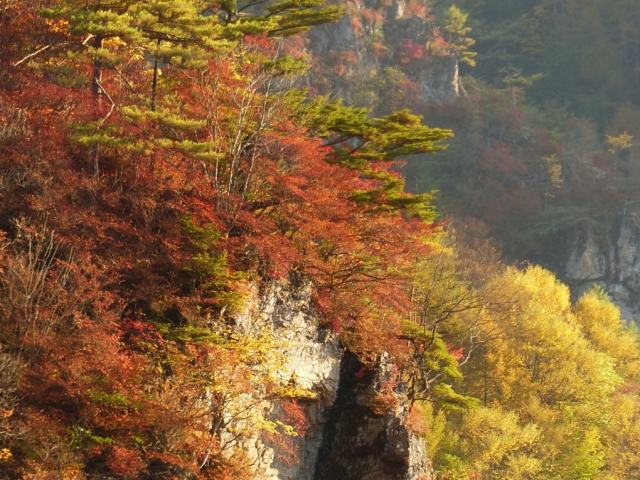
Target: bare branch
column 113, row 104
column 47, row 47
column 127, row 83
column 33, row 54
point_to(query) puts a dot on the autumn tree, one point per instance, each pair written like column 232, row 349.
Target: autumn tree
column 550, row 402
column 197, row 171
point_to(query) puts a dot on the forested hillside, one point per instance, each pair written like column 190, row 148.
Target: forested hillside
column 167, row 165
column 587, row 51
column 546, row 137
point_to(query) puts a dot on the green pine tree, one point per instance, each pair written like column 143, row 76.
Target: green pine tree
column 361, row 143
column 183, row 32
column 459, row 43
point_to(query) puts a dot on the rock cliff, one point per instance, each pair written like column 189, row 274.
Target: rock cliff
column 367, row 437
column 351, row 434
column 355, row 51
column 605, row 254
column 313, row 361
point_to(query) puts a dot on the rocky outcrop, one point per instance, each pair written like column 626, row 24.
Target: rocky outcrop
column 367, row 437
column 357, row 422
column 605, row 254
column 313, row 362
column 369, row 39
column 585, row 261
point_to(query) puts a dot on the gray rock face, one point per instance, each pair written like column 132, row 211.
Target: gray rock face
column 436, row 76
column 586, row 260
column 440, row 82
column 353, row 434
column 627, row 256
column 367, row 437
column 608, row 256
column 313, row 362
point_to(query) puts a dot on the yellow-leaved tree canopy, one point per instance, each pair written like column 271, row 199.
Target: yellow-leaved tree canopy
column 556, row 384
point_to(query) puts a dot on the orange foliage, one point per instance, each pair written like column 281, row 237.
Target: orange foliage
column 116, row 395
column 418, row 8
column 415, row 421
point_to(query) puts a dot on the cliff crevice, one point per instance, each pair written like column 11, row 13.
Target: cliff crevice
column 356, row 424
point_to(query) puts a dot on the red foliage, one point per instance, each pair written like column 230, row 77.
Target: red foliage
column 407, row 51
column 457, row 353
column 291, row 412
column 438, row 46
column 602, row 162
column 124, row 462
column 97, row 370
column 371, row 15
column 499, row 158
column 419, row 9
column 294, row 46
column 294, row 415
column 340, row 60
column 379, row 50
column 136, row 332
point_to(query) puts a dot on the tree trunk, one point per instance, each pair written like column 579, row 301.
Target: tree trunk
column 96, row 89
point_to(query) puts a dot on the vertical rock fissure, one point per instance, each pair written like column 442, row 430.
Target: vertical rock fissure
column 346, row 386
column 366, row 437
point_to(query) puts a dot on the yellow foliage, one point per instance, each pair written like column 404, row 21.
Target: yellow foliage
column 602, row 325
column 5, row 455
column 552, row 379
column 113, row 42
column 57, row 25
column 497, row 443
column 619, row 143
column 554, row 172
